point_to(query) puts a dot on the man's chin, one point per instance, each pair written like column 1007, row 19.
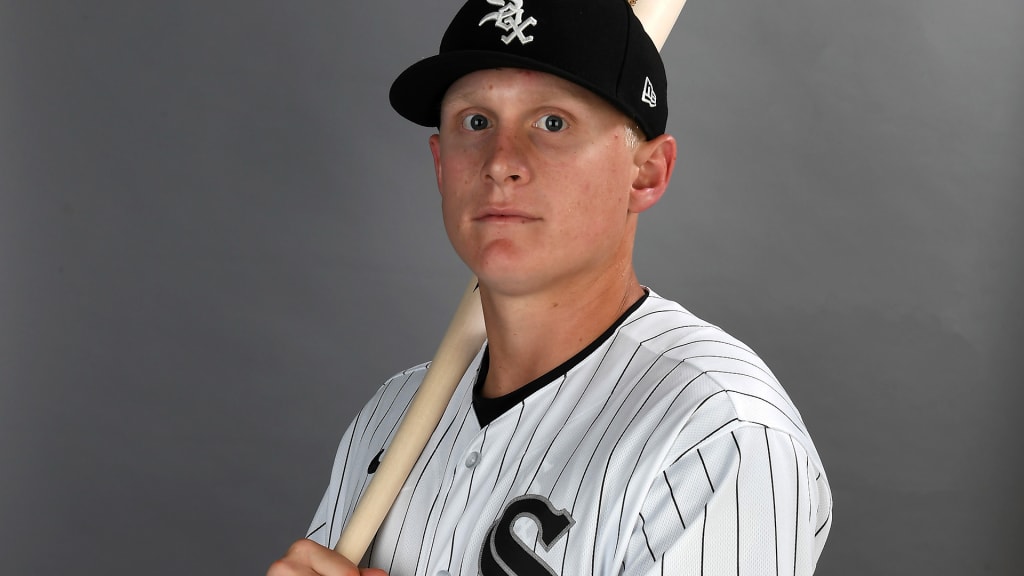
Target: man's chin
column 509, row 283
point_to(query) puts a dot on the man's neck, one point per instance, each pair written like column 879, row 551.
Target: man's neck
column 530, row 335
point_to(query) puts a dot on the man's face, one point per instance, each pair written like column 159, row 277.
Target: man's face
column 535, row 178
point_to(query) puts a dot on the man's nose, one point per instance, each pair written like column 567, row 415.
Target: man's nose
column 507, row 161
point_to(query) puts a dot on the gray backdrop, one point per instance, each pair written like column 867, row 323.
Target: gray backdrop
column 216, row 240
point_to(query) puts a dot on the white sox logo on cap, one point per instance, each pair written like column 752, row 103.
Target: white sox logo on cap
column 510, row 19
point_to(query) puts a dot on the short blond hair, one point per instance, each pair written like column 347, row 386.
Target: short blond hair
column 633, row 137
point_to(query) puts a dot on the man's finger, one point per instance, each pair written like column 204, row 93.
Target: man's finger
column 307, row 558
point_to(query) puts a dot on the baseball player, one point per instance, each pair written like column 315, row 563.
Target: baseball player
column 602, row 428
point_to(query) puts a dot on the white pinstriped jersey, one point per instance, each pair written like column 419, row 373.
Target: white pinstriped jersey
column 666, row 448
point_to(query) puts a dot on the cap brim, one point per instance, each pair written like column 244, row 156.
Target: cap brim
column 417, row 92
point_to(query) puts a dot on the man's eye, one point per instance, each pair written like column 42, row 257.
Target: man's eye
column 475, row 122
column 551, row 123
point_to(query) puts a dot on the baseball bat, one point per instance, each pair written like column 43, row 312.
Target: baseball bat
column 460, row 344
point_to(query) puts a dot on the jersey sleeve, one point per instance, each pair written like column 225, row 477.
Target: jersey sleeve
column 324, row 529
column 367, row 434
column 318, row 527
column 748, row 501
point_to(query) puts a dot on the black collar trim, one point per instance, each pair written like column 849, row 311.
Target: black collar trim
column 489, row 409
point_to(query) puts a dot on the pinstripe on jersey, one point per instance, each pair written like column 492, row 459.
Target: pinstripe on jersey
column 668, row 449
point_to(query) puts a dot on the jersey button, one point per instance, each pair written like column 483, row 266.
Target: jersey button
column 473, row 459
column 443, row 573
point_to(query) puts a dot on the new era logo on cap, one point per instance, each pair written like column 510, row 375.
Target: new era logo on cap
column 649, row 97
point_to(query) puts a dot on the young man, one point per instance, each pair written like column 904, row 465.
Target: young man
column 603, row 429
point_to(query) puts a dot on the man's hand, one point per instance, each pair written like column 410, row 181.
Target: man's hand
column 307, row 558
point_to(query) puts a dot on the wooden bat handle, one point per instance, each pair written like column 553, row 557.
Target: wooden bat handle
column 460, row 344
column 658, row 17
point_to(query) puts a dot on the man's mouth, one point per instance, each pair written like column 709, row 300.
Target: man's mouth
column 505, row 215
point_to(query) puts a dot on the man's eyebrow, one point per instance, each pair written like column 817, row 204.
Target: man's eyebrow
column 460, row 97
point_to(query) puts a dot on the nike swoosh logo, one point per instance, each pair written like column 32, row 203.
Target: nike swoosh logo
column 375, row 463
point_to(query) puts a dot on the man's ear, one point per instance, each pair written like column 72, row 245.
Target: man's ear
column 435, row 151
column 655, row 160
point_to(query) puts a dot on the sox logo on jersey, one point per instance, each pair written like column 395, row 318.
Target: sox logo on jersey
column 505, row 553
column 665, row 447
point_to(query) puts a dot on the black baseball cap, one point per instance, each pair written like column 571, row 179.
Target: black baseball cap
column 598, row 44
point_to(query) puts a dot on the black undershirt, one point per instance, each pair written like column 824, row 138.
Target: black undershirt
column 488, row 409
